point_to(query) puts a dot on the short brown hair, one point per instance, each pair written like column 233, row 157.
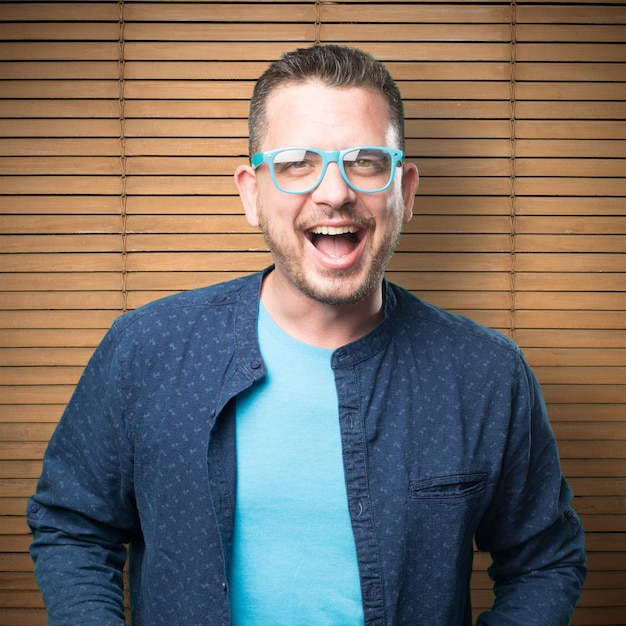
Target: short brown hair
column 333, row 65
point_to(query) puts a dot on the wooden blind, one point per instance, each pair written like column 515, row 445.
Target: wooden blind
column 122, row 122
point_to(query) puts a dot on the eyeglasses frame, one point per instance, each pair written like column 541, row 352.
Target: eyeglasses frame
column 329, row 156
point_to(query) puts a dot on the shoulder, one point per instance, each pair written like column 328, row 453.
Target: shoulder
column 436, row 326
column 214, row 301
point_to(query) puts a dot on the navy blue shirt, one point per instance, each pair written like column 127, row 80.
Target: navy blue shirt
column 445, row 441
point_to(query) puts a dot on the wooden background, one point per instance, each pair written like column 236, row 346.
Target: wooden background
column 120, row 126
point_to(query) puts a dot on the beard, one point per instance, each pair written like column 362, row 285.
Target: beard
column 336, row 287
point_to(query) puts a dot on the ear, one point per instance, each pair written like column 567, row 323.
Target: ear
column 246, row 183
column 410, row 182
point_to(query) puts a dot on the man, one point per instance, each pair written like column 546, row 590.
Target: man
column 310, row 445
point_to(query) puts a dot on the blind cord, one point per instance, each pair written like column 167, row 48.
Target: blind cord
column 122, row 141
column 318, row 23
column 512, row 176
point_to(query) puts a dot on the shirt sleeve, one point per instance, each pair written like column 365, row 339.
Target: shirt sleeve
column 535, row 538
column 83, row 513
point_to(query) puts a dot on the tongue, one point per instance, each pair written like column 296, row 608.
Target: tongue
column 334, row 245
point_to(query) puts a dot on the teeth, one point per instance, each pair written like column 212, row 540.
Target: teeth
column 333, row 230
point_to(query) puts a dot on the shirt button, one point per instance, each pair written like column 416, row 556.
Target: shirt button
column 373, row 595
column 255, row 364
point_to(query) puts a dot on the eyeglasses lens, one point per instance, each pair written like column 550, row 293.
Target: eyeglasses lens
column 368, row 169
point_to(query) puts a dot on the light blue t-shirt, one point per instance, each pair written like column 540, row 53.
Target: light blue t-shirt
column 294, row 558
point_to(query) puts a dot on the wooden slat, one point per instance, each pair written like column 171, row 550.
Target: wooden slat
column 572, row 110
column 238, row 261
column 566, row 148
column 185, row 32
column 62, row 203
column 416, row 32
column 16, row 105
column 598, row 225
column 582, row 411
column 565, row 300
column 69, row 31
column 454, row 243
column 567, row 129
column 56, row 318
column 46, row 338
column 583, row 431
column 444, row 13
column 179, row 185
column 559, row 72
column 24, row 356
column 58, row 11
column 575, row 91
column 558, row 338
column 56, row 375
column 566, row 356
column 465, row 185
column 203, row 51
column 41, row 394
column 52, row 185
column 60, row 128
column 60, row 224
column 571, row 52
column 189, row 31
column 590, row 281
column 568, row 33
column 174, row 281
column 571, row 14
column 17, row 469
column 54, row 165
column 23, row 617
column 182, row 204
column 592, row 467
column 590, row 262
column 221, row 12
column 596, row 393
column 58, row 69
column 72, row 300
column 569, row 243
column 58, row 51
column 24, row 244
column 62, row 262
column 571, row 167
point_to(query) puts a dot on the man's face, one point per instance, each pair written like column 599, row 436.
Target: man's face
column 332, row 243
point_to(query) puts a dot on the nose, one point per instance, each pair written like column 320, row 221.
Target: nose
column 333, row 189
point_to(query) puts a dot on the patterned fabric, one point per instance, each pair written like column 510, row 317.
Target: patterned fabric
column 445, row 441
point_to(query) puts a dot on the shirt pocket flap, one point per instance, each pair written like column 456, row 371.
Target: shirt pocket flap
column 448, row 487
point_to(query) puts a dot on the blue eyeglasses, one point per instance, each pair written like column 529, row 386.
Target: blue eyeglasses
column 367, row 169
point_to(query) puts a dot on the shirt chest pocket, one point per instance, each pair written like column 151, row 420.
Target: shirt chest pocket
column 452, row 489
column 447, row 506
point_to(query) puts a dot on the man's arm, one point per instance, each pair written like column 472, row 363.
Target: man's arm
column 83, row 513
column 535, row 538
column 539, row 582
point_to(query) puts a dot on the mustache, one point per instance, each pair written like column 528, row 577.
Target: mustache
column 348, row 214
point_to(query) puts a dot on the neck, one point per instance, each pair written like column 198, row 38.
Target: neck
column 316, row 323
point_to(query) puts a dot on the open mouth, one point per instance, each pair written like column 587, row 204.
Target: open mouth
column 336, row 241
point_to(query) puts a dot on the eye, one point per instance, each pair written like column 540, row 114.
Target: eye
column 294, row 167
column 364, row 164
column 367, row 162
column 300, row 165
column 369, row 165
column 295, row 161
